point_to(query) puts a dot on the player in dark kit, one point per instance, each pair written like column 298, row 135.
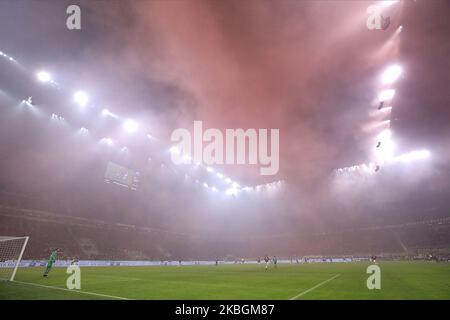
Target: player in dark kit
column 266, row 259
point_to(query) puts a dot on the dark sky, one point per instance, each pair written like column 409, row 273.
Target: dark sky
column 309, row 68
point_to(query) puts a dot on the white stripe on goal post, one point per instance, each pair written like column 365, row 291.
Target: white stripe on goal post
column 19, row 259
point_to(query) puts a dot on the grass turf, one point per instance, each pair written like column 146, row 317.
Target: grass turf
column 399, row 280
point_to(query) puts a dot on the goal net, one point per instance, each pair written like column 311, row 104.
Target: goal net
column 11, row 251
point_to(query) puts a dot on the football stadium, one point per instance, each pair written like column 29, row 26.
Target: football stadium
column 224, row 150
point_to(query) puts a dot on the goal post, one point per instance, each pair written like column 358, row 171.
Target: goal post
column 11, row 252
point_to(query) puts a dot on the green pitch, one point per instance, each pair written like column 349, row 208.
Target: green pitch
column 399, row 280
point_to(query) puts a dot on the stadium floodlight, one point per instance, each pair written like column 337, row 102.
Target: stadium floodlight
column 44, row 76
column 214, row 189
column 28, row 101
column 130, row 126
column 391, row 74
column 83, row 131
column 386, row 94
column 205, row 185
column 54, row 116
column 81, row 98
column 108, row 141
column 209, row 169
column 386, row 109
column 231, row 192
column 106, row 112
column 369, row 168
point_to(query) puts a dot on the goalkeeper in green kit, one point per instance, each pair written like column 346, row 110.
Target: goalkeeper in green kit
column 50, row 262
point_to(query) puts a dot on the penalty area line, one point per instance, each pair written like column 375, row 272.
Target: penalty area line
column 74, row 291
column 315, row 287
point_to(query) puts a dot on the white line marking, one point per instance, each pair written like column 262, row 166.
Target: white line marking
column 75, row 291
column 315, row 287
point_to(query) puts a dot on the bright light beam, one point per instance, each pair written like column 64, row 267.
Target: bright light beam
column 385, row 135
column 388, row 3
column 413, row 155
column 391, row 74
column 387, row 94
column 81, row 98
column 44, row 76
column 130, row 126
